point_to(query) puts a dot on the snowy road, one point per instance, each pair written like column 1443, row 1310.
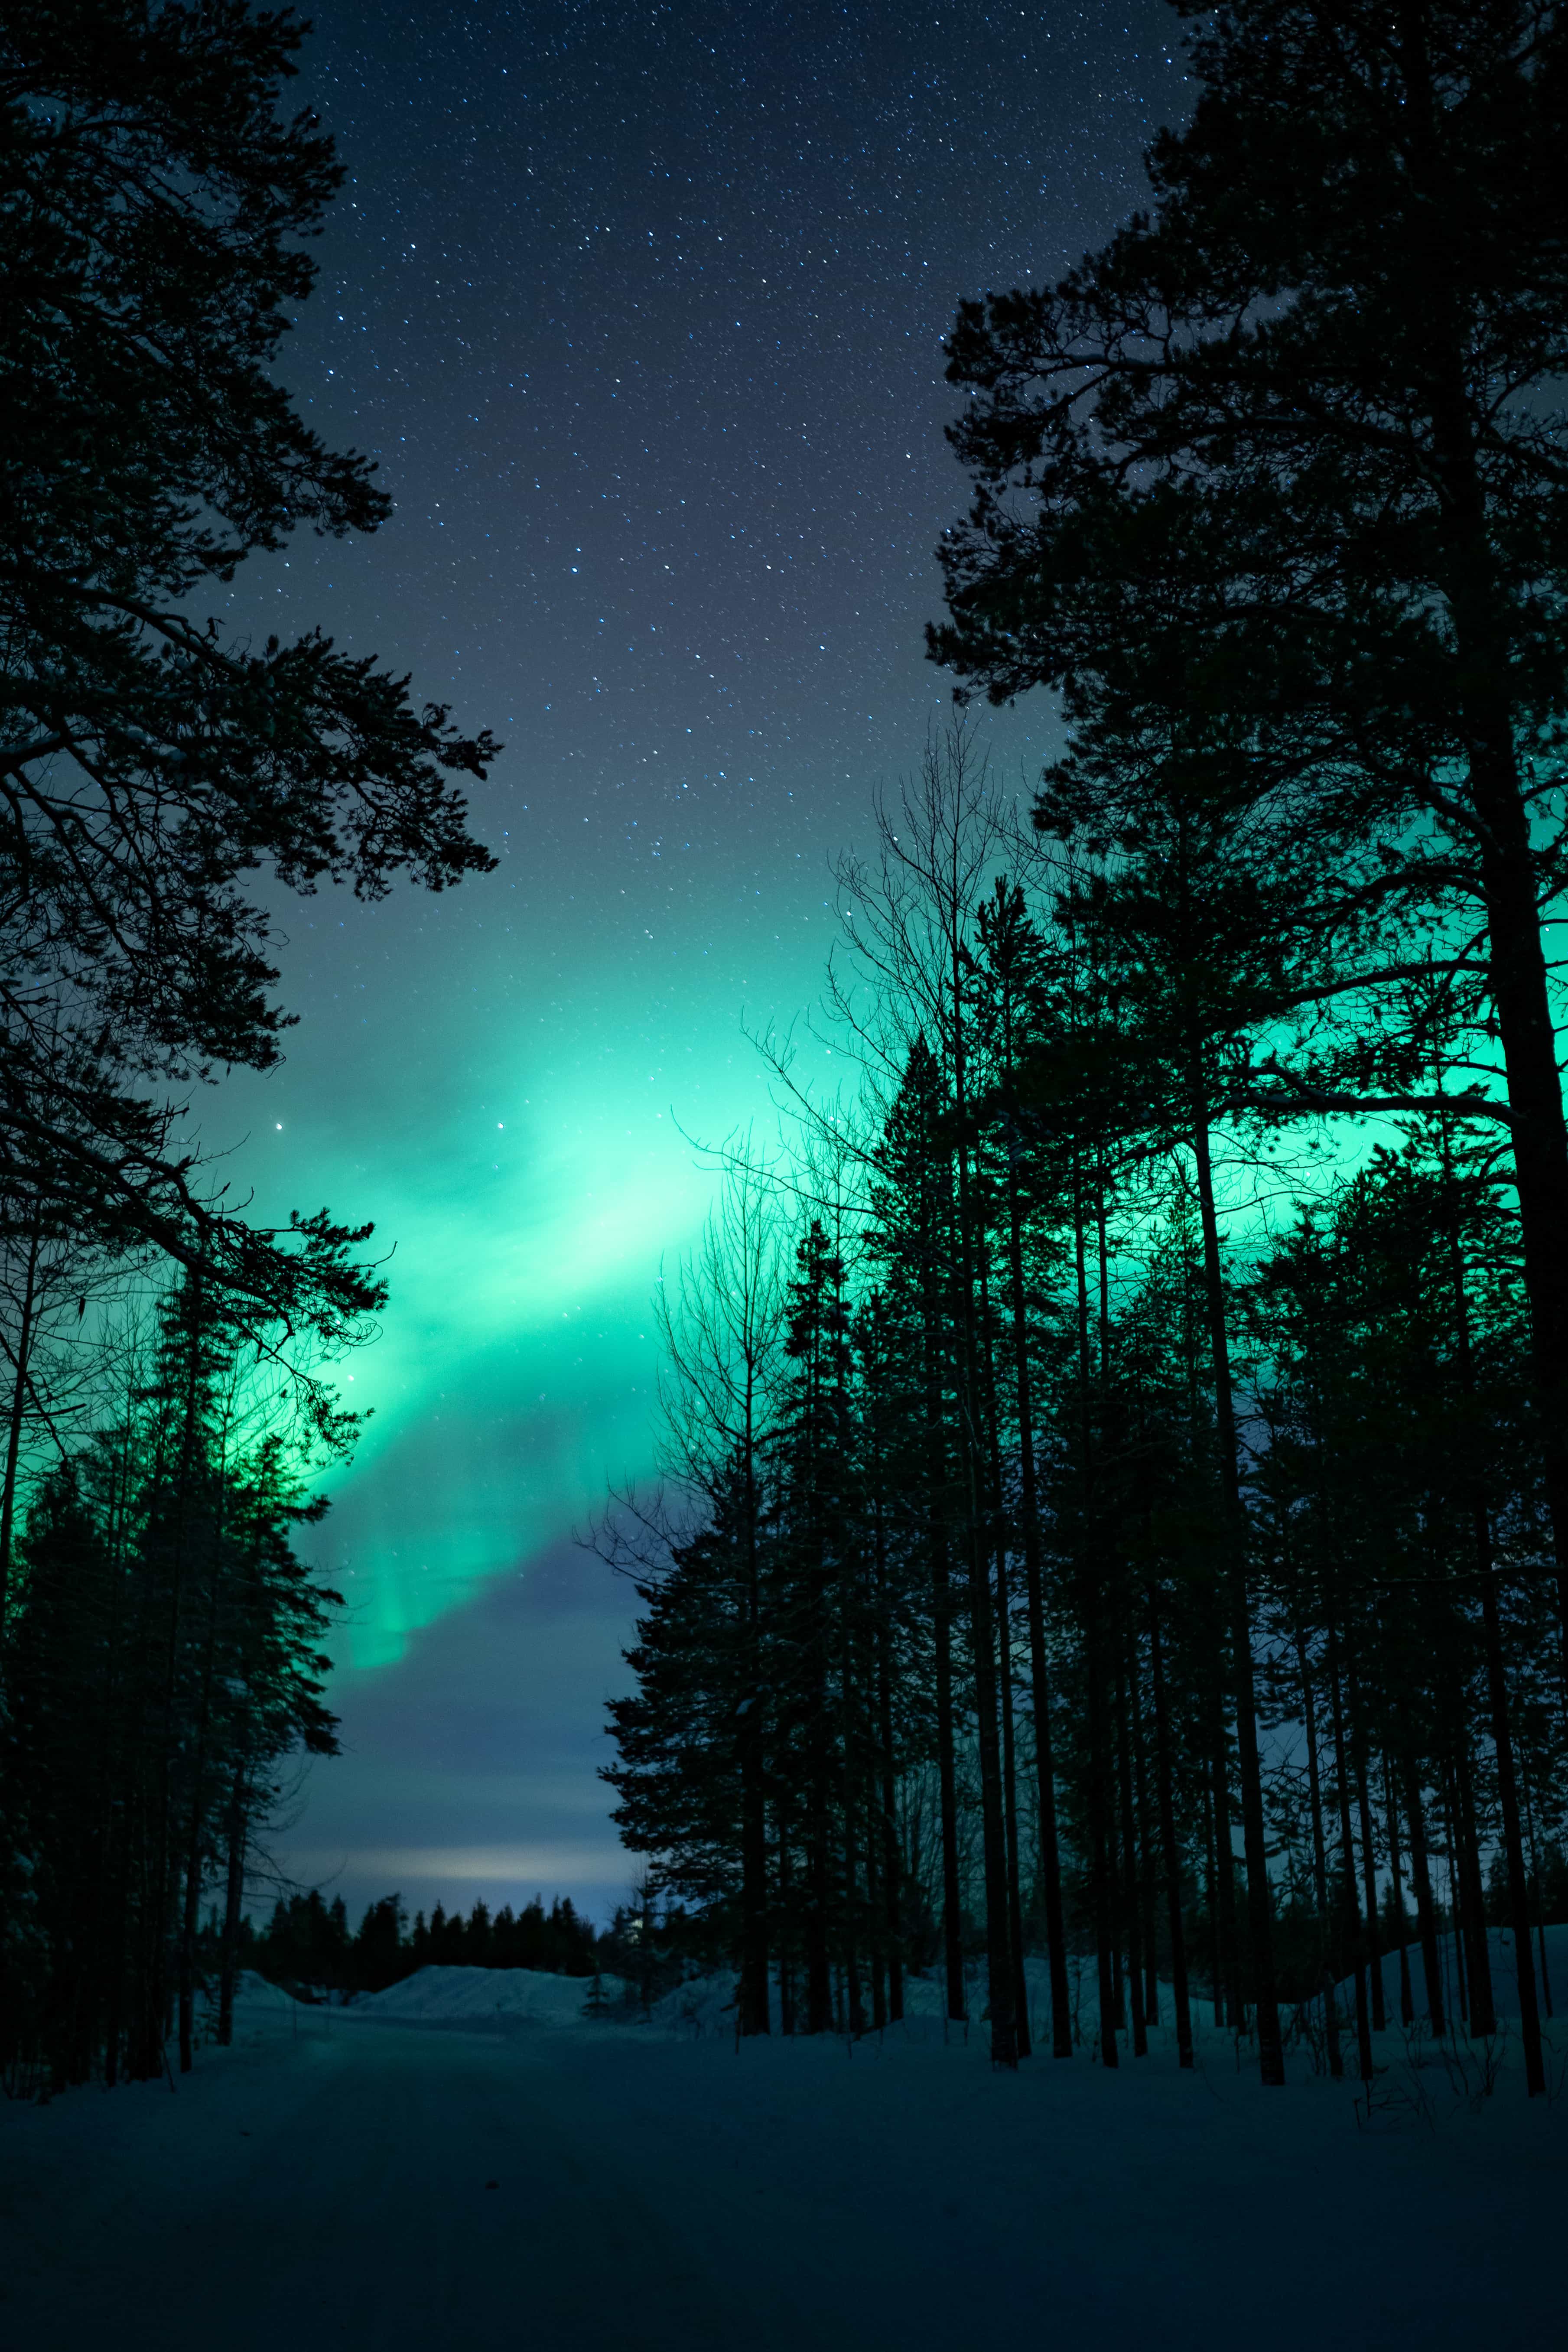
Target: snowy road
column 332, row 2193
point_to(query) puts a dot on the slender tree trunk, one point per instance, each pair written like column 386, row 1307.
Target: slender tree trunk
column 1170, row 1852
column 24, row 1353
column 1147, row 1875
column 1513, row 1842
column 754, row 1986
column 849, row 1801
column 1348, row 1872
column 1129, row 1876
column 1483, row 670
column 999, row 1976
column 1406, row 1996
column 941, row 1644
column 1034, row 1593
column 1259, row 1906
column 1099, row 1859
column 993, row 1835
column 1425, row 1907
column 1472, row 1894
column 189, row 1927
column 1368, row 1849
column 891, row 1860
column 233, row 1900
column 1235, row 2006
column 818, row 1873
column 1458, row 1910
column 947, row 1785
column 1090, row 1611
column 787, row 1913
column 1497, row 1684
column 986, row 1402
column 1010, row 1805
column 875, row 1946
column 1540, row 1898
column 1217, row 1968
column 1319, row 1861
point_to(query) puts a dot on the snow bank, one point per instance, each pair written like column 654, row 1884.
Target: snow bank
column 251, row 1991
column 449, row 1995
column 1505, row 1982
column 705, row 2005
column 702, row 2005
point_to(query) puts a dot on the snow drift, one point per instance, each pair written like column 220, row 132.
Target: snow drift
column 446, row 1996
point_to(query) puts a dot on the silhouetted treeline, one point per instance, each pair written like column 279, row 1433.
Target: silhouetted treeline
column 1064, row 1578
column 162, row 1667
column 158, row 1640
column 1122, row 1458
column 309, row 1946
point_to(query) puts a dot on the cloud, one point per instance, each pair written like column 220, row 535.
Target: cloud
column 552, row 1868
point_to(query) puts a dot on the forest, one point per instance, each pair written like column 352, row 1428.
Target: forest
column 308, row 1946
column 1115, row 1465
column 167, row 1394
column 1115, row 1452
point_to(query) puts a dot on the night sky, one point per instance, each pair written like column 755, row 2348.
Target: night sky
column 639, row 312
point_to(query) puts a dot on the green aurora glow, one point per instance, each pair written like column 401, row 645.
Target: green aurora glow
column 528, row 1214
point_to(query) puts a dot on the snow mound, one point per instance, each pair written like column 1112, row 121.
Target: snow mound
column 449, row 1995
column 251, row 1991
column 704, row 2004
column 1550, row 1995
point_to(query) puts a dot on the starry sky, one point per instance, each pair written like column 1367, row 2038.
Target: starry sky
column 638, row 309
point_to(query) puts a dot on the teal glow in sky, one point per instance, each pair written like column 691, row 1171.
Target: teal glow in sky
column 639, row 312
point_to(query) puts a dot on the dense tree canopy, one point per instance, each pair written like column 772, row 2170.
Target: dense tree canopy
column 155, row 209
column 159, row 1641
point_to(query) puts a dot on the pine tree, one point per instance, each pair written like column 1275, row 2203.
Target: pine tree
column 157, row 211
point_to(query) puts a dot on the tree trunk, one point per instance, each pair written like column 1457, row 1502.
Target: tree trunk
column 1146, row 1842
column 1099, row 1840
column 1131, row 1907
column 1368, row 1850
column 1319, row 1861
column 233, row 1900
column 1169, row 1852
column 947, row 1784
column 1472, row 1894
column 1229, row 2008
column 1483, row 670
column 1348, row 1872
column 891, row 1860
column 1407, row 1996
column 25, row 1332
column 1426, row 1908
column 1255, row 1844
column 993, row 1835
column 1513, row 1842
column 1010, row 1806
column 942, row 1644
column 1034, row 1593
column 786, row 1958
column 753, row 1987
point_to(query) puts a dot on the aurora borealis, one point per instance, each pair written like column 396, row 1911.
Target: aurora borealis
column 640, row 310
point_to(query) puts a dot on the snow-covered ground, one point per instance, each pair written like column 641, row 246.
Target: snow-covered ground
column 333, row 2185
column 1505, row 1978
column 484, row 1996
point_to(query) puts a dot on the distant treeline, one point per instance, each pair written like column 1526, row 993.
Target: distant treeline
column 309, row 1946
